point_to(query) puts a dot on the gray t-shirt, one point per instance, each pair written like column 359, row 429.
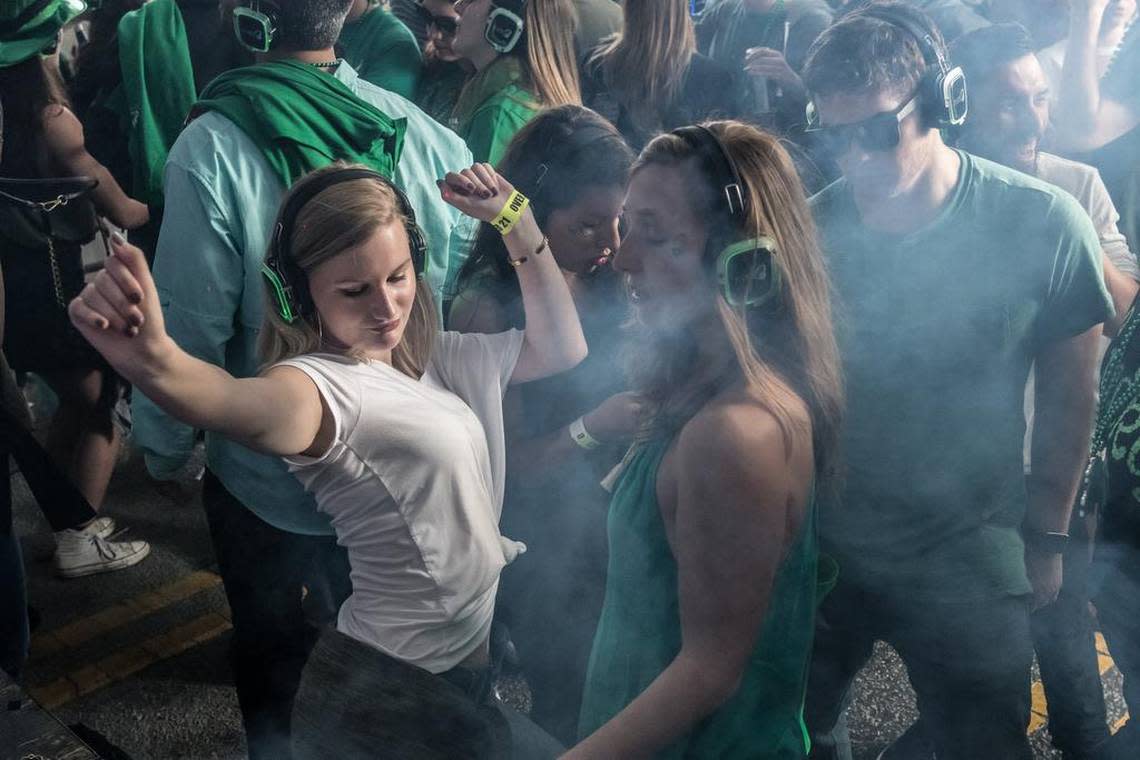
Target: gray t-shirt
column 937, row 331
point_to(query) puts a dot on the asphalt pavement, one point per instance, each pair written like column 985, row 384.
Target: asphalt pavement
column 140, row 655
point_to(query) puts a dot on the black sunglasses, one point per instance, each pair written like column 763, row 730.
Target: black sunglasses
column 878, row 132
column 446, row 25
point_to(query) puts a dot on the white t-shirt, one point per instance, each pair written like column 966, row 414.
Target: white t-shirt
column 1083, row 182
column 413, row 482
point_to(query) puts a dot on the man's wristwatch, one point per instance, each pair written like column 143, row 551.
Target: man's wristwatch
column 1047, row 541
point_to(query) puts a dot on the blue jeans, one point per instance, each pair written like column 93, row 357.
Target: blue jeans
column 969, row 664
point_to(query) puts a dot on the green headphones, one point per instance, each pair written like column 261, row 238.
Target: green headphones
column 746, row 270
column 257, row 23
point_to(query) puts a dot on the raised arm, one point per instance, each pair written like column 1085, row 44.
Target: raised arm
column 736, row 500
column 120, row 316
column 1083, row 120
column 63, row 136
column 554, row 341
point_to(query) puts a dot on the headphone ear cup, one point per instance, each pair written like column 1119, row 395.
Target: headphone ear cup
column 953, row 97
column 504, row 29
column 418, row 245
column 748, row 274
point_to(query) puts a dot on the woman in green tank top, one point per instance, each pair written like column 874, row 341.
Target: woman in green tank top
column 703, row 645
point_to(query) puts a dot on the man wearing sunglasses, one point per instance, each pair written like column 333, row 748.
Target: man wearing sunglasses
column 952, row 276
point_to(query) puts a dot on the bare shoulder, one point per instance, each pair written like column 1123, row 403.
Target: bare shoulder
column 737, row 430
column 62, row 130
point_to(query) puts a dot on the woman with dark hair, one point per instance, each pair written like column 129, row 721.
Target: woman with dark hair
column 43, row 139
column 573, row 165
column 444, row 72
column 650, row 78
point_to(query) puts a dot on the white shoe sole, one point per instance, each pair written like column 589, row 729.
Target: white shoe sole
column 104, row 566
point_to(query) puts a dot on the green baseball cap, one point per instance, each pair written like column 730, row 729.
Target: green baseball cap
column 29, row 26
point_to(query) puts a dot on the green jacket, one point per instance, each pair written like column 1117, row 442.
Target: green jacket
column 158, row 97
column 494, row 105
column 383, row 52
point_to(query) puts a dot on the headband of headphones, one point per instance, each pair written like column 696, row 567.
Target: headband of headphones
column 746, row 270
column 505, row 24
column 287, row 281
column 944, row 85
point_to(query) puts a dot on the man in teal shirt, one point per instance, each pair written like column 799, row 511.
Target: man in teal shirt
column 952, row 276
column 223, row 187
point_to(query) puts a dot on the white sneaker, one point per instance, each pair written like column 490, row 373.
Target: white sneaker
column 102, row 527
column 83, row 552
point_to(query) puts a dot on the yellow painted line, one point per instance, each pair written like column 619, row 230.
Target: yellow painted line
column 1040, row 708
column 118, row 615
column 1039, row 717
column 124, row 663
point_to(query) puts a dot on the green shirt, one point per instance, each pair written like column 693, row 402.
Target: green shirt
column 639, row 633
column 383, row 52
column 494, row 105
column 937, row 331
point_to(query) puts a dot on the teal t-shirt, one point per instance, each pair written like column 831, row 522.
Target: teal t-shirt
column 383, row 52
column 937, row 331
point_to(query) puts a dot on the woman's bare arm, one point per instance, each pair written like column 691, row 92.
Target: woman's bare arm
column 63, row 137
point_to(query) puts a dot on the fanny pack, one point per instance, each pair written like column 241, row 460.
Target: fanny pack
column 38, row 213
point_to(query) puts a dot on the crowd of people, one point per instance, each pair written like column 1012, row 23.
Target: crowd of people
column 670, row 353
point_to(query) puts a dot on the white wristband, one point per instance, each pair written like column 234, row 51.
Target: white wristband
column 581, row 436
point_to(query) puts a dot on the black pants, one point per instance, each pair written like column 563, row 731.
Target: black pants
column 1118, row 608
column 969, row 664
column 263, row 570
column 1066, row 654
column 59, row 500
column 357, row 703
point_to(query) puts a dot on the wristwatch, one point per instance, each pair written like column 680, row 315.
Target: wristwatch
column 1047, row 541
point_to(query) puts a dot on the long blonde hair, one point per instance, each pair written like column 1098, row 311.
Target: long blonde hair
column 787, row 353
column 548, row 44
column 336, row 220
column 645, row 65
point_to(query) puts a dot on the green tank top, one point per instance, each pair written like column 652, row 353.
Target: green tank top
column 639, row 633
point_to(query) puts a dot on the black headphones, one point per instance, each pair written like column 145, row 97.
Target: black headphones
column 288, row 283
column 505, row 24
column 746, row 270
column 943, row 85
column 257, row 24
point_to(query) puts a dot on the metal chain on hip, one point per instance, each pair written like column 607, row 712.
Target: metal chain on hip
column 56, row 277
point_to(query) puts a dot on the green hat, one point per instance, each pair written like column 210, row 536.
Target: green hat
column 29, row 26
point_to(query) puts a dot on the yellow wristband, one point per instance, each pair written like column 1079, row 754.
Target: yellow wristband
column 512, row 212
